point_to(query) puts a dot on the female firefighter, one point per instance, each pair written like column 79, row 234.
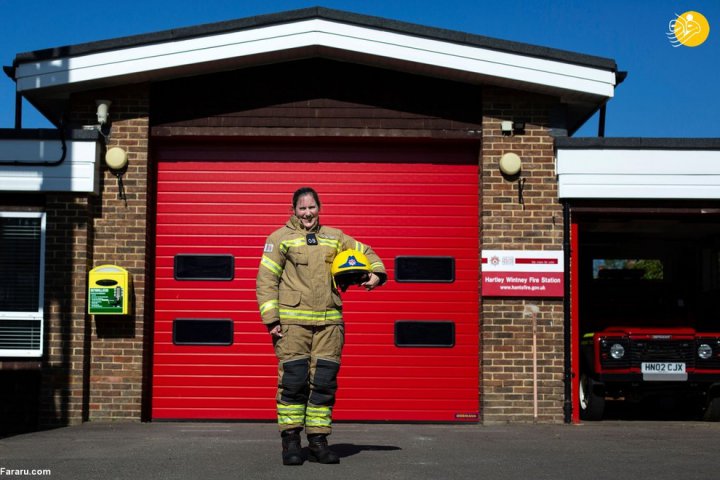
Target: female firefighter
column 303, row 267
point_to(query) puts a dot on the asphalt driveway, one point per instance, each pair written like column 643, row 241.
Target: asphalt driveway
column 602, row 450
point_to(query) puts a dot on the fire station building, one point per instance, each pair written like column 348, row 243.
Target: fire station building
column 131, row 235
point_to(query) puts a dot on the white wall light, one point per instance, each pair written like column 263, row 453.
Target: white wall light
column 506, row 127
column 103, row 107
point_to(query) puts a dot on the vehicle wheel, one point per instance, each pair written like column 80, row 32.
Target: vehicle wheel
column 592, row 405
column 712, row 412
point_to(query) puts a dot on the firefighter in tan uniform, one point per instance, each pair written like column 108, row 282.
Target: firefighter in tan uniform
column 301, row 306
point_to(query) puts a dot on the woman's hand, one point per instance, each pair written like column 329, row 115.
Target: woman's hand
column 276, row 331
column 372, row 282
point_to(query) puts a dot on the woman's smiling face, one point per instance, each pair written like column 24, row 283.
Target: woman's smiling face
column 307, row 211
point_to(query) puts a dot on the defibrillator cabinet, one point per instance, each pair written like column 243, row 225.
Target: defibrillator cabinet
column 108, row 290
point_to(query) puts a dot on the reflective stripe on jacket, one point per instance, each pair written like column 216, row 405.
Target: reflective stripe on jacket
column 294, row 283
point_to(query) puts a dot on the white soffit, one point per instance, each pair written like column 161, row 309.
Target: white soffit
column 152, row 59
column 638, row 174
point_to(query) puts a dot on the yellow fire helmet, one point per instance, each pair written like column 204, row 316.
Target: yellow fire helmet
column 350, row 267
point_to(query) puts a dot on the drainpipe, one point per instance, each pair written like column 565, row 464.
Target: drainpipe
column 18, row 111
column 10, row 72
column 601, row 121
column 567, row 404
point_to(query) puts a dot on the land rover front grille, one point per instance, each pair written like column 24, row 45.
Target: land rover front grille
column 662, row 351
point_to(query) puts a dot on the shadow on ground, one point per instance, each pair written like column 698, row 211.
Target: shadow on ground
column 344, row 450
column 656, row 408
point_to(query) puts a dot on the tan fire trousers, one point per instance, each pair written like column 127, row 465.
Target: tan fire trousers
column 308, row 365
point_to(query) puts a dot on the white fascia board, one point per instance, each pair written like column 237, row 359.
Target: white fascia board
column 79, row 171
column 317, row 32
column 650, row 174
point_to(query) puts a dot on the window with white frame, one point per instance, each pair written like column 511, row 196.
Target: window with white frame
column 22, row 282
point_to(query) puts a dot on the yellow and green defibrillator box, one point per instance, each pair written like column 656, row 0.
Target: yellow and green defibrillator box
column 108, row 290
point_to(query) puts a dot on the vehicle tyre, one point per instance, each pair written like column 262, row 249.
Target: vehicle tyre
column 712, row 411
column 592, row 405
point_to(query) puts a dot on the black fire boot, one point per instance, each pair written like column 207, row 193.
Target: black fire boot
column 319, row 450
column 291, row 451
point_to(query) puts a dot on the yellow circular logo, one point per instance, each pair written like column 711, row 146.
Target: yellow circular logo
column 689, row 29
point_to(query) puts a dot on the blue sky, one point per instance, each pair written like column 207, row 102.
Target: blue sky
column 669, row 92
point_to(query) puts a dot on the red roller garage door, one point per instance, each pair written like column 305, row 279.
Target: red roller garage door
column 411, row 347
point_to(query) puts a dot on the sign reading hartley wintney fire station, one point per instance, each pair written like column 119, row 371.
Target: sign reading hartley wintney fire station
column 522, row 273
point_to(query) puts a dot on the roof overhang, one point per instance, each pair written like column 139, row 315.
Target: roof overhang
column 638, row 168
column 47, row 78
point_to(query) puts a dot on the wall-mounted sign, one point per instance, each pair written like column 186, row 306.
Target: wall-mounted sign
column 109, row 288
column 522, row 273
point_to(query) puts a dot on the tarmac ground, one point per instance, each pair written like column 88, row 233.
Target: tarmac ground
column 660, row 450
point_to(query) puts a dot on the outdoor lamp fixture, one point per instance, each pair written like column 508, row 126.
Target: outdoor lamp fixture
column 510, row 165
column 103, row 112
column 506, row 127
column 103, row 107
column 117, row 160
column 518, row 128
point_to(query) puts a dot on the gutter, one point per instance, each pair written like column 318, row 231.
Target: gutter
column 46, row 163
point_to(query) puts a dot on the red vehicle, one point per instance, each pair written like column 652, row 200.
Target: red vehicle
column 635, row 361
column 649, row 316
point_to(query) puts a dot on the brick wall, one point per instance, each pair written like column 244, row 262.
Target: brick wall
column 120, row 227
column 67, row 260
column 94, row 366
column 507, row 326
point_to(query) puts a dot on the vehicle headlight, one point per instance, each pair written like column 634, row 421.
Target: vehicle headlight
column 617, row 351
column 704, row 351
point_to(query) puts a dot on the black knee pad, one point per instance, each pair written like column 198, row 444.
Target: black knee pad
column 294, row 381
column 324, row 383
